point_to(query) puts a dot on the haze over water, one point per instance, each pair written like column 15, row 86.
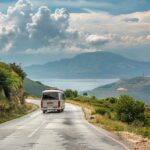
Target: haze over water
column 76, row 84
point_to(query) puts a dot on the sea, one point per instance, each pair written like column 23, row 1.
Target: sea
column 76, row 84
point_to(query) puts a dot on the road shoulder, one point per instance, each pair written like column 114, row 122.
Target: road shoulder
column 110, row 134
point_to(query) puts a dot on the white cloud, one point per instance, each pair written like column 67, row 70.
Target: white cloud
column 48, row 25
column 97, row 40
column 113, row 32
column 24, row 29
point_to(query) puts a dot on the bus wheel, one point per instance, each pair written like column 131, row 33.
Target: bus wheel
column 58, row 111
column 44, row 111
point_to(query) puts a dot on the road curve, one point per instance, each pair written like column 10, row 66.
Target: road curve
column 54, row 131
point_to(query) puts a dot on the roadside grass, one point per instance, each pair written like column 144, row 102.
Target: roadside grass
column 24, row 110
column 101, row 113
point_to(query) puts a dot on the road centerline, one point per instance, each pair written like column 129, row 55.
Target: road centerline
column 36, row 130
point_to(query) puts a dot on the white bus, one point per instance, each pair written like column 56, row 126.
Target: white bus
column 52, row 100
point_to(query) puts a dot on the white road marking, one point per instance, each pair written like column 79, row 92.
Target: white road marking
column 35, row 130
column 21, row 127
column 101, row 132
column 35, row 114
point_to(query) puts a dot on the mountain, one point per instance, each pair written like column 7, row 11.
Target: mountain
column 90, row 65
column 138, row 87
column 35, row 88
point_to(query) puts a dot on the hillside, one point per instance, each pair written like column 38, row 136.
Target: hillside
column 12, row 103
column 34, row 88
column 90, row 65
column 10, row 85
column 138, row 87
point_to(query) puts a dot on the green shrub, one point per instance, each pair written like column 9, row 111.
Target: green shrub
column 137, row 123
column 147, row 118
column 85, row 94
column 144, row 131
column 111, row 99
column 100, row 110
column 17, row 68
column 128, row 109
column 93, row 97
column 71, row 93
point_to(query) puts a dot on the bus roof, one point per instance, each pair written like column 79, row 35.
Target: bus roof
column 50, row 91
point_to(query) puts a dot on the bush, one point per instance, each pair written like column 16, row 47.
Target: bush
column 16, row 68
column 137, row 123
column 100, row 110
column 93, row 97
column 128, row 109
column 147, row 118
column 111, row 99
column 85, row 94
column 144, row 131
column 71, row 93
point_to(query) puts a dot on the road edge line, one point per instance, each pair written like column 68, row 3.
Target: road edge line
column 97, row 129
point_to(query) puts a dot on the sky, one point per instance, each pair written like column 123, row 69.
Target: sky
column 39, row 31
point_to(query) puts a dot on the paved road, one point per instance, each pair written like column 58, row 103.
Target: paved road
column 54, row 131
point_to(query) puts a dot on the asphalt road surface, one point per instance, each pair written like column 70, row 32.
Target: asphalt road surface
column 55, row 131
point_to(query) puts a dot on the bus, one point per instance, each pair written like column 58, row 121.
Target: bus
column 53, row 100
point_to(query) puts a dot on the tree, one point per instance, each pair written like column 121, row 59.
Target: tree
column 71, row 93
column 17, row 68
column 129, row 110
column 93, row 97
column 85, row 94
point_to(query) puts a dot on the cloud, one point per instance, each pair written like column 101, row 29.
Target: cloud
column 23, row 28
column 28, row 30
column 112, row 6
column 48, row 25
column 131, row 19
column 113, row 31
column 13, row 24
column 97, row 40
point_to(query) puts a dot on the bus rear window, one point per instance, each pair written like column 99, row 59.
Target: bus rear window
column 50, row 96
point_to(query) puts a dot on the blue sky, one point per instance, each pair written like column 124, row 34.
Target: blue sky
column 111, row 6
column 38, row 31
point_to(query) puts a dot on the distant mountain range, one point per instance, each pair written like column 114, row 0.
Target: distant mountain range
column 90, row 65
column 138, row 87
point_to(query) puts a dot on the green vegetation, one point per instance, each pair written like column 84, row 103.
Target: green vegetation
column 129, row 110
column 34, row 88
column 85, row 94
column 118, row 114
column 71, row 93
column 12, row 95
column 21, row 111
column 16, row 68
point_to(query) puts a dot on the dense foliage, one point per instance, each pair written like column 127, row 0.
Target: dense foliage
column 71, row 93
column 9, row 80
column 85, row 94
column 11, row 90
column 120, row 114
column 129, row 110
column 17, row 68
